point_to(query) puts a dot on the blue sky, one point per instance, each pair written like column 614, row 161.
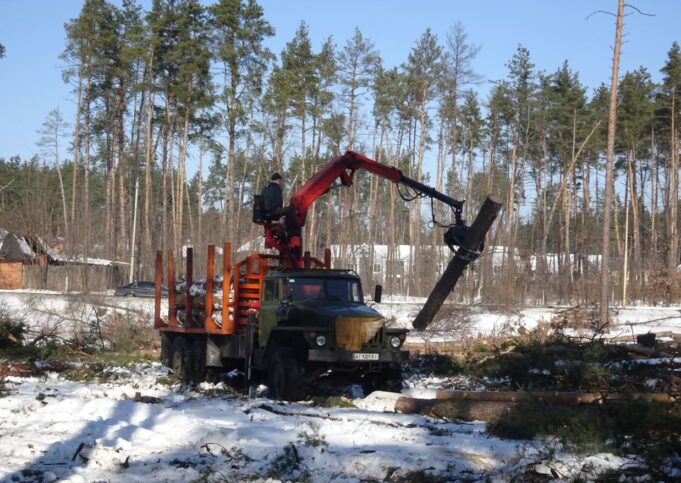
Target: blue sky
column 553, row 31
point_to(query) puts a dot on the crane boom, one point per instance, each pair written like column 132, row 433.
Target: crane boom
column 286, row 238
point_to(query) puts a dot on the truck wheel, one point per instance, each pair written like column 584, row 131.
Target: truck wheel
column 285, row 376
column 198, row 360
column 181, row 363
column 388, row 379
column 166, row 350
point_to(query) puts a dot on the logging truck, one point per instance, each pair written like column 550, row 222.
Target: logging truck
column 287, row 314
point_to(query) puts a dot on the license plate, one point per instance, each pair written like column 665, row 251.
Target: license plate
column 364, row 357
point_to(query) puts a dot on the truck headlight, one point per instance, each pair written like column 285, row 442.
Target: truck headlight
column 320, row 340
column 395, row 341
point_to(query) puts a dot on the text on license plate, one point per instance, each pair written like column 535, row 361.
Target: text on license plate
column 364, row 357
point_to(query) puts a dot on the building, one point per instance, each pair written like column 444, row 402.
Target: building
column 29, row 262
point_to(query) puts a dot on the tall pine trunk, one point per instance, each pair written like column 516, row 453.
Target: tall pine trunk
column 609, row 174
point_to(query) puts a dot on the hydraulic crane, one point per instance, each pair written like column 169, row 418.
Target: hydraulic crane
column 285, row 237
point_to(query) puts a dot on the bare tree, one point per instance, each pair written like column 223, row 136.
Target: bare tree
column 609, row 173
column 50, row 135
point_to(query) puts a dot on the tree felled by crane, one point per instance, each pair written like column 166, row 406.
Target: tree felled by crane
column 469, row 250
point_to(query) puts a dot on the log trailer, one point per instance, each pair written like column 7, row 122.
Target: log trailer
column 289, row 314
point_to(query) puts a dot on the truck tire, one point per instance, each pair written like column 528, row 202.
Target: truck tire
column 198, row 359
column 166, row 349
column 387, row 379
column 285, row 376
column 181, row 362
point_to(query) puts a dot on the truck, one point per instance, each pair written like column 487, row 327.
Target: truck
column 288, row 315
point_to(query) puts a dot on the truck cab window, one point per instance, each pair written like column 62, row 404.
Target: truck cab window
column 270, row 291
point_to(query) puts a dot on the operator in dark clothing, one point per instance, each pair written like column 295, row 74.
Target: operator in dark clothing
column 274, row 207
column 274, row 200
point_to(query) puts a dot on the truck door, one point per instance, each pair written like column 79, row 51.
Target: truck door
column 271, row 298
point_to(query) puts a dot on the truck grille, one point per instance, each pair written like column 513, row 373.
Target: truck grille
column 377, row 340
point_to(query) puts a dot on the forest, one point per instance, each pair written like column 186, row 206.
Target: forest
column 184, row 109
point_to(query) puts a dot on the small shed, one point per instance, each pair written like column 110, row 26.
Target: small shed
column 29, row 262
column 14, row 252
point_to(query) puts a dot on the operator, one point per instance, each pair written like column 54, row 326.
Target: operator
column 274, row 200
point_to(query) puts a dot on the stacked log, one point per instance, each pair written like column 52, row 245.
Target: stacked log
column 197, row 293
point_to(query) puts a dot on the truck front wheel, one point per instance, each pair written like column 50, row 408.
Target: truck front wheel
column 285, row 376
column 387, row 379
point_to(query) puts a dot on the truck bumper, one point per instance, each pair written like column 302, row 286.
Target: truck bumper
column 386, row 355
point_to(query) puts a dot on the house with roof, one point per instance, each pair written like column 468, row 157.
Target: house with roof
column 14, row 252
column 28, row 261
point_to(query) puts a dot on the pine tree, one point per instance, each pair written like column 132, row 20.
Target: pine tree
column 458, row 74
column 298, row 65
column 239, row 30
column 635, row 115
column 609, row 176
column 423, row 70
column 671, row 86
column 357, row 63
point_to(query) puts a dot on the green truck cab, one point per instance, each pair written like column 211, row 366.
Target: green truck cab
column 315, row 320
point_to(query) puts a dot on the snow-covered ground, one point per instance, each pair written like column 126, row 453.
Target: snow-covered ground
column 459, row 321
column 56, row 429
column 50, row 311
column 52, row 429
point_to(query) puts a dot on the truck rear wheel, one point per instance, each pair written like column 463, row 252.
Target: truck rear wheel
column 181, row 361
column 198, row 361
column 285, row 376
column 166, row 349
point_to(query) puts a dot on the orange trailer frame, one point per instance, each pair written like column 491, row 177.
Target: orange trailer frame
column 241, row 291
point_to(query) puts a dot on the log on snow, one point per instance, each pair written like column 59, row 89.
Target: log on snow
column 554, row 397
column 488, row 212
column 483, row 406
column 465, row 410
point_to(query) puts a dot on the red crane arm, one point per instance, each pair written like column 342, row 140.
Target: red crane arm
column 288, row 241
column 342, row 167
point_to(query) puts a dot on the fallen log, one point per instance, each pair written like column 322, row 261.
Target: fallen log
column 16, row 369
column 483, row 406
column 461, row 409
column 555, row 397
column 464, row 255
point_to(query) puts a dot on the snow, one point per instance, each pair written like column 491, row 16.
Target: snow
column 47, row 309
column 48, row 312
column 167, row 442
column 479, row 321
column 56, row 429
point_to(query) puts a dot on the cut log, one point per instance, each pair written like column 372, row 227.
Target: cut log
column 483, row 406
column 461, row 409
column 554, row 397
column 487, row 214
column 16, row 369
column 568, row 398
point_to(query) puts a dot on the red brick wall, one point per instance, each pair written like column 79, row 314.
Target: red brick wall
column 11, row 274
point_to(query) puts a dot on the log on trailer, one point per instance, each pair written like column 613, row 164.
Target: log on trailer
column 465, row 254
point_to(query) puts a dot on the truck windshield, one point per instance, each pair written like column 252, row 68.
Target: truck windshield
column 343, row 289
